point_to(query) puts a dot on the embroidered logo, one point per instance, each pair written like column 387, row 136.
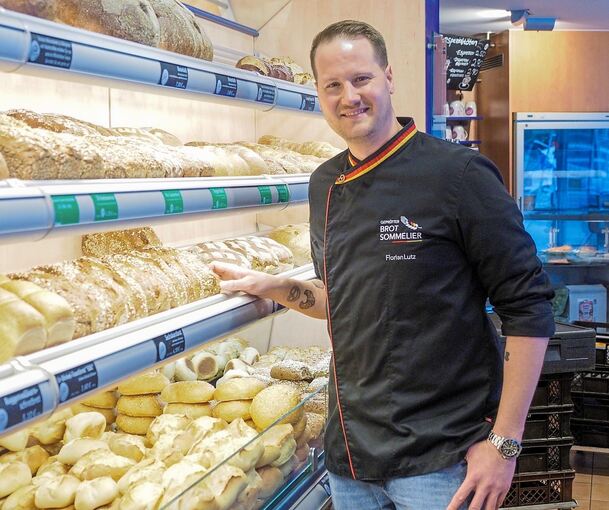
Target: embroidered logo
column 400, row 231
column 409, row 224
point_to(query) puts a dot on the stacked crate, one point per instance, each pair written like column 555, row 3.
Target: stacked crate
column 590, row 422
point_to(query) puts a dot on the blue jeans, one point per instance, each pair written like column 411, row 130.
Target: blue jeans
column 432, row 491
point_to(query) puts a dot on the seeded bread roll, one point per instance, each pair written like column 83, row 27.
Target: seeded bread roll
column 102, row 400
column 291, row 370
column 274, row 402
column 13, row 475
column 4, row 173
column 133, row 424
column 92, row 494
column 57, row 492
column 192, row 392
column 144, row 384
column 139, row 405
column 239, row 389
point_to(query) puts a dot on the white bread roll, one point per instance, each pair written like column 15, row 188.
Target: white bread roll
column 52, row 468
column 164, row 424
column 148, row 470
column 169, row 449
column 201, row 428
column 169, row 371
column 244, row 388
column 21, row 499
column 236, row 364
column 232, row 410
column 102, row 400
column 77, row 448
column 34, row 457
column 13, row 475
column 297, row 239
column 192, row 411
column 52, row 430
column 184, row 371
column 108, row 414
column 57, row 492
column 16, row 441
column 92, row 494
column 139, row 405
column 143, row 496
column 274, row 402
column 231, row 374
column 274, row 440
column 249, row 355
column 205, row 365
column 85, row 425
column 127, row 445
column 133, row 424
column 152, row 382
column 22, row 327
column 98, row 463
column 57, row 312
column 188, row 392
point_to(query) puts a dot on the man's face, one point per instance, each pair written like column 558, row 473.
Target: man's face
column 354, row 90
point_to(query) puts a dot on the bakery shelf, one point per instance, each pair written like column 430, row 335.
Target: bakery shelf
column 463, row 118
column 40, row 47
column 34, row 385
column 33, row 209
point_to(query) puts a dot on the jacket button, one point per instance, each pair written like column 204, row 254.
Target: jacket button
column 341, row 178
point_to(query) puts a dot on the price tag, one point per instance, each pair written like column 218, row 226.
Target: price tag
column 76, row 381
column 225, row 85
column 266, row 197
column 173, row 76
column 173, row 201
column 219, row 198
column 169, row 344
column 106, row 207
column 307, row 102
column 50, row 51
column 283, row 192
column 66, row 209
column 266, row 94
column 20, row 406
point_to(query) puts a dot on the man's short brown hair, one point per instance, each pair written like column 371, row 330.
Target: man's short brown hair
column 351, row 29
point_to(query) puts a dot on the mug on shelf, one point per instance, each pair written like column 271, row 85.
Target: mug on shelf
column 457, row 109
column 459, row 133
column 449, row 133
column 471, row 109
column 446, row 109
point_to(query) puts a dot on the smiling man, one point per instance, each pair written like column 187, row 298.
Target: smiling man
column 409, row 236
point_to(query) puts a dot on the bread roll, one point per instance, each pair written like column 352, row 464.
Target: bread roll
column 139, row 405
column 169, row 371
column 34, row 457
column 133, row 424
column 204, row 365
column 287, row 451
column 299, row 426
column 21, row 499
column 16, row 441
column 188, row 392
column 249, row 355
column 52, row 430
column 184, row 370
column 232, row 410
column 108, row 414
column 57, row 492
column 92, row 494
column 13, row 475
column 22, row 327
column 143, row 496
column 102, row 400
column 273, row 403
column 274, row 440
column 147, row 470
column 243, row 388
column 77, row 448
column 272, row 479
column 57, row 312
column 98, row 463
column 144, row 384
column 166, row 423
column 127, row 445
column 85, row 425
column 236, row 364
column 50, row 468
column 119, row 241
column 192, row 411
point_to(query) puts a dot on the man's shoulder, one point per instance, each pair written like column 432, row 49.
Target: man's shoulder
column 329, row 169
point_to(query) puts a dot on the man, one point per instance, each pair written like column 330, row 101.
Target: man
column 409, row 236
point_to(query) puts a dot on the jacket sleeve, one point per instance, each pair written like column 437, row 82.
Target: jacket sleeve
column 502, row 253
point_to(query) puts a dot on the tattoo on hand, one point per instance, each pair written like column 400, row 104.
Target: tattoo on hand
column 309, row 301
column 294, row 293
column 319, row 284
column 507, row 356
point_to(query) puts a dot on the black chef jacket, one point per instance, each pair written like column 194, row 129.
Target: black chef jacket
column 410, row 242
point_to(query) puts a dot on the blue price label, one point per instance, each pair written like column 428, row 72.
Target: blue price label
column 169, row 344
column 225, row 85
column 307, row 102
column 20, row 406
column 76, row 381
column 266, row 94
column 173, row 76
column 50, row 51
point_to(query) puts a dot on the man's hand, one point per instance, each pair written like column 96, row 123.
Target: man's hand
column 234, row 279
column 489, row 477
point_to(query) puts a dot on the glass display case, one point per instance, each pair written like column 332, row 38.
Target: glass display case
column 561, row 163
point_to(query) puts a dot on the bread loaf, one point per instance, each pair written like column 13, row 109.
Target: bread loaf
column 58, row 123
column 297, row 239
column 255, row 64
column 46, row 9
column 4, row 173
column 57, row 492
column 119, row 241
column 165, row 137
column 217, row 251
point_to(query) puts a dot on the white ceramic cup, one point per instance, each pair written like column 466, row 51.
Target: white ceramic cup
column 457, row 109
column 470, row 109
column 459, row 133
column 449, row 133
column 446, row 109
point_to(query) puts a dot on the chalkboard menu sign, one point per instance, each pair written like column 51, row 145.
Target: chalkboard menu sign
column 464, row 57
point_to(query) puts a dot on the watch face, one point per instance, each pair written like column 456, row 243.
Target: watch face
column 510, row 448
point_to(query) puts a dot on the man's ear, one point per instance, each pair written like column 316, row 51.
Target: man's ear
column 389, row 78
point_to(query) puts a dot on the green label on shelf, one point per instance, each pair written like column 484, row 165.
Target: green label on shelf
column 219, row 198
column 173, row 201
column 66, row 210
column 266, row 196
column 106, row 207
column 284, row 192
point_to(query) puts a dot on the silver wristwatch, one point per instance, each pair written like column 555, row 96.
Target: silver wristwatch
column 508, row 448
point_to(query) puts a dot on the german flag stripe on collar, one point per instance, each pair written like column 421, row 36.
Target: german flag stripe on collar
column 365, row 166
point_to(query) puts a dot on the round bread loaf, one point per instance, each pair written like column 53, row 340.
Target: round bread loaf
column 108, row 414
column 84, row 425
column 95, row 493
column 139, row 405
column 133, row 424
column 127, row 445
column 77, row 448
column 189, row 392
column 57, row 492
column 273, row 403
column 152, row 382
column 21, row 499
column 102, row 400
column 13, row 475
column 166, row 423
column 242, row 388
column 192, row 411
column 232, row 410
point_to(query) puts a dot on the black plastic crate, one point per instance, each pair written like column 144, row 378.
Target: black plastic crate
column 540, row 489
column 591, row 407
column 551, row 423
column 542, row 458
column 552, row 390
column 590, row 433
column 602, row 355
column 593, row 381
